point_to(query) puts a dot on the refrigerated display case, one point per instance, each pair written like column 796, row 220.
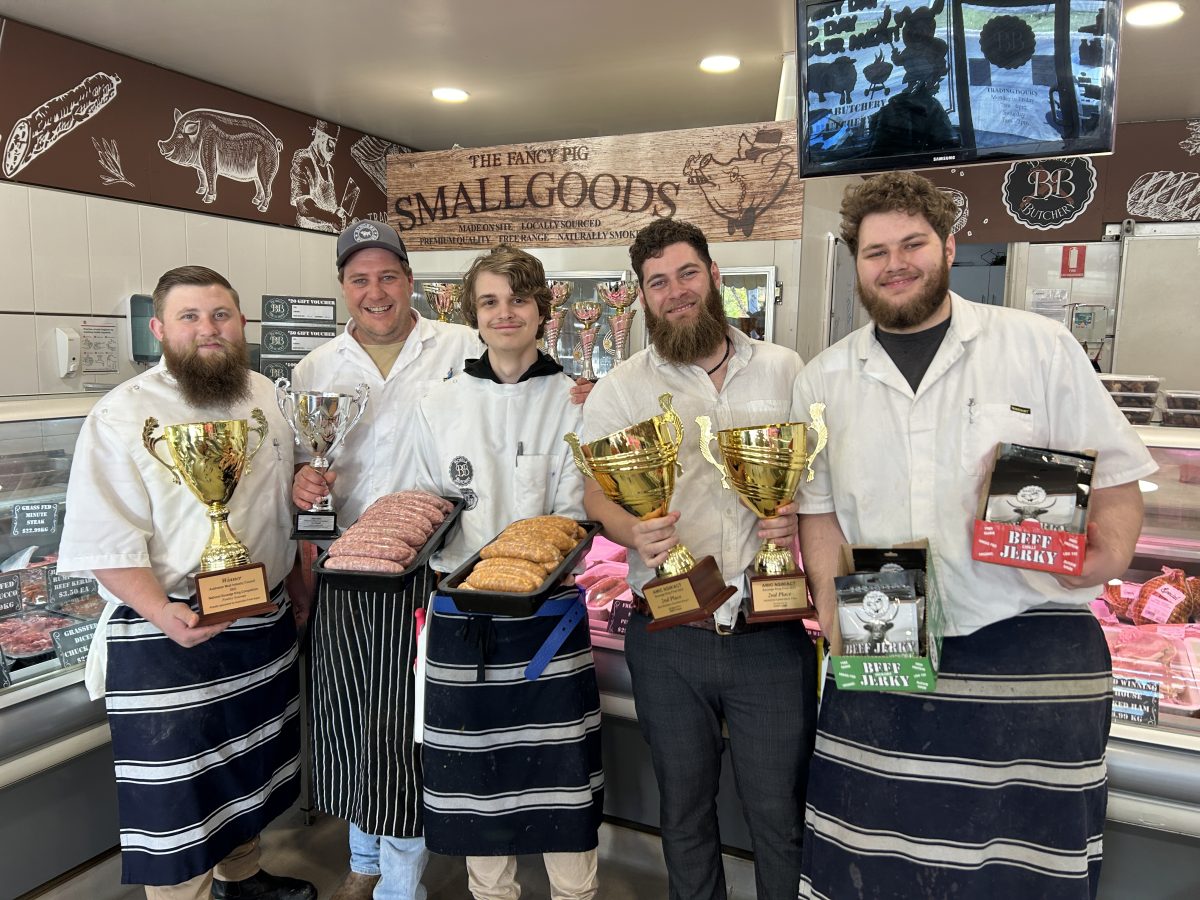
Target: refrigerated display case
column 57, row 795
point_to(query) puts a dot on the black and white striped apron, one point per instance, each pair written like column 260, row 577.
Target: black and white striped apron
column 994, row 786
column 206, row 739
column 365, row 767
column 512, row 763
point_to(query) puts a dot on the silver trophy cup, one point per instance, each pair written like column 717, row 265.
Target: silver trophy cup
column 320, row 422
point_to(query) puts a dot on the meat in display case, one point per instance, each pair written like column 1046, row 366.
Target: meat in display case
column 55, row 756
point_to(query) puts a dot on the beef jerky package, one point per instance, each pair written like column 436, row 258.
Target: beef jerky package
column 1033, row 509
column 880, row 614
column 891, row 559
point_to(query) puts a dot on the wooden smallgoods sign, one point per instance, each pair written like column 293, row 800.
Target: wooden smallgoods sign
column 736, row 182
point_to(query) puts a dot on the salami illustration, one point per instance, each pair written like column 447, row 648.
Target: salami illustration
column 110, row 161
column 1165, row 196
column 743, row 187
column 37, row 132
column 314, row 194
column 371, row 154
column 1191, row 144
column 217, row 143
column 963, row 207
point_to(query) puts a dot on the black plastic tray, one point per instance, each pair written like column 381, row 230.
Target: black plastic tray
column 383, row 583
column 506, row 604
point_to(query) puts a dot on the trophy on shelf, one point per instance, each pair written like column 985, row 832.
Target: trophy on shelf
column 636, row 468
column 764, row 464
column 210, row 459
column 620, row 297
column 560, row 293
column 444, row 297
column 587, row 312
column 320, row 422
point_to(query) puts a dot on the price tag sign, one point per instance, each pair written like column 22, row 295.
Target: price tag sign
column 71, row 644
column 618, row 617
column 64, row 587
column 10, row 593
column 1135, row 700
column 34, row 518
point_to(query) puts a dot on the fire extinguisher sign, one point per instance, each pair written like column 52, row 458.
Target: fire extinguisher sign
column 1073, row 256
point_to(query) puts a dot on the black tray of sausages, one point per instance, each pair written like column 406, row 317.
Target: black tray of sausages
column 511, row 604
column 379, row 582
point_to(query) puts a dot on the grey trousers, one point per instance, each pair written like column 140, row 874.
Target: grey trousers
column 763, row 685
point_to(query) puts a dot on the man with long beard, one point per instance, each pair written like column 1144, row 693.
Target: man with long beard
column 204, row 718
column 757, row 678
column 994, row 784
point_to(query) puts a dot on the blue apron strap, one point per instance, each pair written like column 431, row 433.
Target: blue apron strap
column 572, row 617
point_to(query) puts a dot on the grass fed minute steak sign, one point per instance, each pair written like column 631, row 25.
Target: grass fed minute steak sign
column 737, row 182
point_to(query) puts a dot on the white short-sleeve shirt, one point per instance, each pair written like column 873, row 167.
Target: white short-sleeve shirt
column 901, row 466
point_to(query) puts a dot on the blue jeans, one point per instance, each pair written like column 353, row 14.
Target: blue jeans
column 401, row 862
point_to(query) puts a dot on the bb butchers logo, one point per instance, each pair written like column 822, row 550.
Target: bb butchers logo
column 743, row 187
column 461, row 471
column 1048, row 193
column 276, row 342
column 365, row 232
column 276, row 309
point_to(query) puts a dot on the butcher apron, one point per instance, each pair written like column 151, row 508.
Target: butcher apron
column 366, row 768
column 206, row 739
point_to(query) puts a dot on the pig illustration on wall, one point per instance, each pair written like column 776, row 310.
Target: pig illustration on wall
column 216, row 143
column 743, row 187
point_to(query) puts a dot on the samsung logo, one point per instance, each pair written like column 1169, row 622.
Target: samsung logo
column 944, row 158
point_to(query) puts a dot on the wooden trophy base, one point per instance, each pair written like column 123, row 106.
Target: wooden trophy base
column 688, row 597
column 228, row 594
column 776, row 598
column 315, row 526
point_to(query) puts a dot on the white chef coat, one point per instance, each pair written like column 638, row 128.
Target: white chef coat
column 502, row 447
column 901, row 466
column 125, row 511
column 756, row 391
column 374, row 460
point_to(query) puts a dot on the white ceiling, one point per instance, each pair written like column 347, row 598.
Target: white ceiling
column 535, row 69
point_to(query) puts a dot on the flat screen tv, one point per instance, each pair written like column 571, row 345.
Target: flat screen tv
column 893, row 85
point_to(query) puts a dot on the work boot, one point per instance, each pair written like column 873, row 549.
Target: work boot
column 356, row 887
column 264, row 886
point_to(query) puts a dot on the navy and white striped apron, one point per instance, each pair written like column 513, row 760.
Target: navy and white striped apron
column 994, row 786
column 512, row 763
column 206, row 739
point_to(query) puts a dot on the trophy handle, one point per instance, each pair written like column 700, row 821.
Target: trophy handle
column 816, row 412
column 261, row 430
column 149, row 443
column 670, row 419
column 287, row 405
column 577, row 453
column 706, row 437
column 362, row 394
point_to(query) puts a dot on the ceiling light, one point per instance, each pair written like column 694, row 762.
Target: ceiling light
column 450, row 95
column 1151, row 14
column 718, row 65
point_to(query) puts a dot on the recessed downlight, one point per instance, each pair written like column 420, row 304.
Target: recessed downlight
column 718, row 65
column 450, row 95
column 1160, row 12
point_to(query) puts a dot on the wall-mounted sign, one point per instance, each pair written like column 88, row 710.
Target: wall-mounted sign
column 278, row 339
column 317, row 310
column 736, row 182
column 1048, row 193
column 1073, row 261
column 34, row 518
column 276, row 367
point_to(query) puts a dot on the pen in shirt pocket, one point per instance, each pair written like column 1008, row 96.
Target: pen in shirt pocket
column 520, row 451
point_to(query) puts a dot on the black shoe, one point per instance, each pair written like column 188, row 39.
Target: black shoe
column 264, row 886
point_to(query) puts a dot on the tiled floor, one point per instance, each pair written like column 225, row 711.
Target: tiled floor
column 631, row 867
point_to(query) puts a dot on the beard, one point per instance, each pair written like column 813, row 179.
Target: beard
column 913, row 313
column 212, row 379
column 686, row 342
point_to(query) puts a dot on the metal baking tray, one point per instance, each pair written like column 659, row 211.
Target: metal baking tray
column 506, row 604
column 383, row 583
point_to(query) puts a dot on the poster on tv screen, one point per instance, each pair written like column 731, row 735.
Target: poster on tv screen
column 889, row 85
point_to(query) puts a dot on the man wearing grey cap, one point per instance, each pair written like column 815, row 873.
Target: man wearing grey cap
column 365, row 766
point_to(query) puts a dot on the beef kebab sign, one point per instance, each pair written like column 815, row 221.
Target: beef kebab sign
column 736, row 182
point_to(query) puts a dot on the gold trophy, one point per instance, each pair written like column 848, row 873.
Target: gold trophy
column 620, row 297
column 587, row 312
column 636, row 468
column 210, row 459
column 764, row 464
column 560, row 293
column 443, row 297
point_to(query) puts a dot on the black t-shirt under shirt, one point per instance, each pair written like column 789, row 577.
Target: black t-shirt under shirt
column 913, row 352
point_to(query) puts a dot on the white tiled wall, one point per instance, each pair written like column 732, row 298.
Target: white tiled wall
column 68, row 257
